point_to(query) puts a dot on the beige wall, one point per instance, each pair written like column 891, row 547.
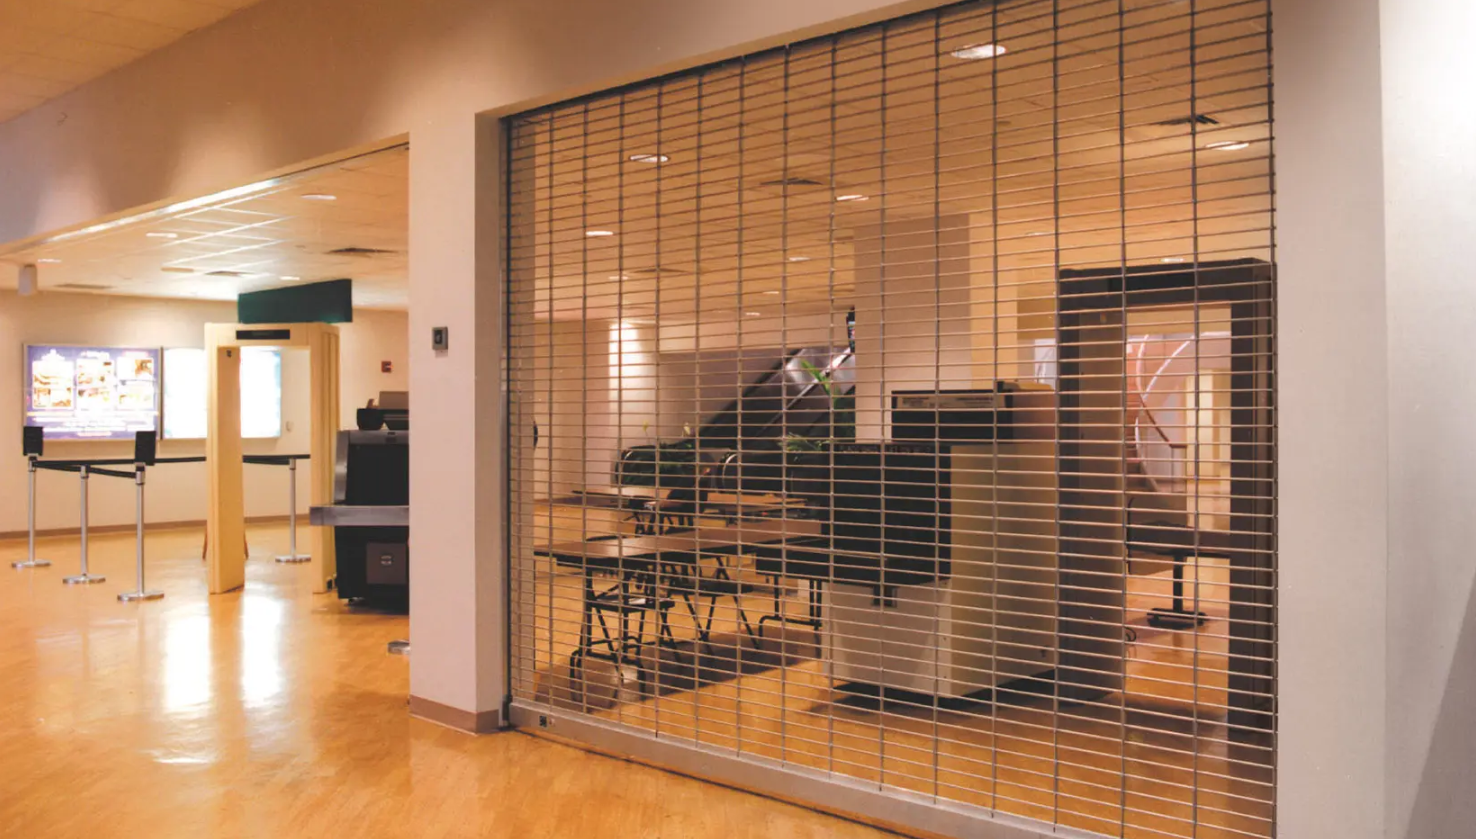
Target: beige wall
column 175, row 491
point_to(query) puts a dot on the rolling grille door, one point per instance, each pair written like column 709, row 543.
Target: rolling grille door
column 896, row 408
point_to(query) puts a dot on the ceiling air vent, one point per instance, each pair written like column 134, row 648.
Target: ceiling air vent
column 352, row 251
column 1196, row 119
column 653, row 272
column 84, row 286
column 793, row 180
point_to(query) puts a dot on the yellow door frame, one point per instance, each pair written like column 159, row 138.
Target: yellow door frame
column 225, row 518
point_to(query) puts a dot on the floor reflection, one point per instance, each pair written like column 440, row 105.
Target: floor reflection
column 261, row 649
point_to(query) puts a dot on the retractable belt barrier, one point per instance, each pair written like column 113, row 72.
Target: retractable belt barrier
column 142, row 460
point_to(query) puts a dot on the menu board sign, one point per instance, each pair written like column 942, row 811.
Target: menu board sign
column 185, row 393
column 92, row 393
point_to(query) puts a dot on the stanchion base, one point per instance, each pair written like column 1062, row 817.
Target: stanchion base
column 84, row 579
column 130, row 596
column 398, row 648
column 31, row 563
column 1175, row 619
column 294, row 558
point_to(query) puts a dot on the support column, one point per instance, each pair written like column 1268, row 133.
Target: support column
column 225, row 532
column 458, row 560
column 913, row 313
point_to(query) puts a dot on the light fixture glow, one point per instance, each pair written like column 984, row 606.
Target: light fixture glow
column 649, row 158
column 599, row 234
column 319, row 196
column 47, row 260
column 158, row 235
column 799, row 259
column 977, row 52
column 1228, row 145
column 1172, row 259
column 773, row 293
column 288, row 278
column 754, row 314
column 854, row 196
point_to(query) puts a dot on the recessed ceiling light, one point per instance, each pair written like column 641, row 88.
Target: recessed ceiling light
column 1040, row 233
column 775, row 293
column 599, row 234
column 618, row 277
column 754, row 314
column 47, row 260
column 319, row 196
column 854, row 196
column 288, row 278
column 799, row 259
column 649, row 158
column 1228, row 145
column 158, row 235
column 1173, row 259
column 976, row 52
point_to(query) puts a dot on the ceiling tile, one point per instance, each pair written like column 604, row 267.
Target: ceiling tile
column 174, row 14
column 265, row 236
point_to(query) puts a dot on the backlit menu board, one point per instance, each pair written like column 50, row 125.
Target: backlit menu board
column 185, row 393
column 91, row 393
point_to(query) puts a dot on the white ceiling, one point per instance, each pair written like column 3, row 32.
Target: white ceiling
column 48, row 47
column 263, row 234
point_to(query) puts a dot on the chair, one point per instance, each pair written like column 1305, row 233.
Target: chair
column 1163, row 537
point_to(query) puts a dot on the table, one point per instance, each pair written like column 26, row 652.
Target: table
column 638, row 561
column 732, row 507
column 636, row 500
column 617, row 553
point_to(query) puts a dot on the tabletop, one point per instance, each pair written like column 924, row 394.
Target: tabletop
column 677, row 547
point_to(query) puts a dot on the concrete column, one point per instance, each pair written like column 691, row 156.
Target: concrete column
column 458, row 626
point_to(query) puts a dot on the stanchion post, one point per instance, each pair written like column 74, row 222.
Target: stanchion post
column 142, row 593
column 31, row 561
column 84, row 578
column 292, row 555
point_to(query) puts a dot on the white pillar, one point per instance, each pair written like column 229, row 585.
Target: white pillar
column 1430, row 211
column 1333, row 419
column 913, row 313
column 458, row 425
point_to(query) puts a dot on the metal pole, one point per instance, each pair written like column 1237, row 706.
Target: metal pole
column 142, row 593
column 84, row 578
column 292, row 555
column 31, row 561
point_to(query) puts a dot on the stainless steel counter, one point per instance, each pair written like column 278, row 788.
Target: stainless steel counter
column 344, row 515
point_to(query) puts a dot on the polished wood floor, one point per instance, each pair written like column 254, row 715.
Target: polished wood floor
column 273, row 712
column 1155, row 760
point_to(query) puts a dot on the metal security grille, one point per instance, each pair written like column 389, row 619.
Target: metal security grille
column 897, row 406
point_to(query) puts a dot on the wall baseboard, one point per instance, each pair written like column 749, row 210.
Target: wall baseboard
column 104, row 529
column 484, row 722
